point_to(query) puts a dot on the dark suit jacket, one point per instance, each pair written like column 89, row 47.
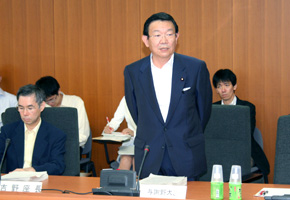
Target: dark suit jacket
column 188, row 114
column 49, row 148
column 257, row 152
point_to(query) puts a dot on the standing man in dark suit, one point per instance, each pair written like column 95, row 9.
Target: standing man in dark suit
column 35, row 145
column 225, row 83
column 169, row 96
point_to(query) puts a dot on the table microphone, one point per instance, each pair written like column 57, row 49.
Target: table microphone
column 4, row 153
column 146, row 150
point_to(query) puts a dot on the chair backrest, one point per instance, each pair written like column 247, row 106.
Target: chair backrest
column 282, row 155
column 64, row 118
column 258, row 137
column 228, row 139
column 88, row 146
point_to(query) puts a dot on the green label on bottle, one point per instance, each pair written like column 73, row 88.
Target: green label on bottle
column 235, row 191
column 217, row 190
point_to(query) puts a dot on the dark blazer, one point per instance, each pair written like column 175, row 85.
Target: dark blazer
column 49, row 148
column 189, row 112
column 257, row 152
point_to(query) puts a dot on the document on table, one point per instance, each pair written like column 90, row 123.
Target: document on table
column 25, row 176
column 268, row 192
column 115, row 136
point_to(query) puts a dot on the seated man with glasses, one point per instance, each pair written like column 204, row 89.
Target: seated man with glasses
column 35, row 145
column 56, row 98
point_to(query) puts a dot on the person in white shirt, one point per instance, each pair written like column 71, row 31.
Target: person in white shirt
column 7, row 100
column 122, row 113
column 56, row 98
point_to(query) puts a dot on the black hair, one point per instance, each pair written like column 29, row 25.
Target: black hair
column 49, row 85
column 30, row 89
column 224, row 75
column 158, row 16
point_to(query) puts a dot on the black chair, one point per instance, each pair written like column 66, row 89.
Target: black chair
column 228, row 140
column 255, row 169
column 86, row 163
column 282, row 155
column 64, row 118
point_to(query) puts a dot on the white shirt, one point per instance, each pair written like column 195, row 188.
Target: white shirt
column 162, row 79
column 121, row 113
column 29, row 141
column 83, row 121
column 234, row 101
column 7, row 100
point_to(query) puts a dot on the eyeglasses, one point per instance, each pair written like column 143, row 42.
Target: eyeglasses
column 167, row 36
column 51, row 100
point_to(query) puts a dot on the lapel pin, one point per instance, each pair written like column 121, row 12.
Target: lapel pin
column 182, row 79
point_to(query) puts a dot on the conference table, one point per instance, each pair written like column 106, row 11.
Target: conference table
column 195, row 190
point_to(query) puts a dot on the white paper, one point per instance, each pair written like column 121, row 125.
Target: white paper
column 115, row 136
column 164, row 180
column 20, row 186
column 25, row 176
column 166, row 187
column 265, row 192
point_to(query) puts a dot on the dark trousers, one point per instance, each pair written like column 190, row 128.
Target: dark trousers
column 167, row 169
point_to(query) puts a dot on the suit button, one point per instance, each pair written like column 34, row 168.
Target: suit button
column 165, row 129
column 163, row 147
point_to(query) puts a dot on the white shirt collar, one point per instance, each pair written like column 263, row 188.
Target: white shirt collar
column 234, row 101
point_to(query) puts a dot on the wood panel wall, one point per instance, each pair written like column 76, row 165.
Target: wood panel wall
column 85, row 45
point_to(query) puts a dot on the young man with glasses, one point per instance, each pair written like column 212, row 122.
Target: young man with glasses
column 35, row 145
column 169, row 97
column 56, row 98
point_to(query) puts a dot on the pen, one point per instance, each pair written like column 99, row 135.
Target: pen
column 107, row 118
column 108, row 121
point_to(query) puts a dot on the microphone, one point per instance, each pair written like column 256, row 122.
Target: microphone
column 146, row 150
column 4, row 153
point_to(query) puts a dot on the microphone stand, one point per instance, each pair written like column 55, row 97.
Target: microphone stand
column 3, row 156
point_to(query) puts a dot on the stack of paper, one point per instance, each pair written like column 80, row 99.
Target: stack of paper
column 23, row 181
column 116, row 136
column 25, row 176
column 169, row 187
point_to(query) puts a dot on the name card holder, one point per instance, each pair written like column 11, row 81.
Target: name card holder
column 20, row 186
column 163, row 191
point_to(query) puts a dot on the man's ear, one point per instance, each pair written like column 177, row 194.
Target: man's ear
column 235, row 87
column 145, row 40
column 42, row 106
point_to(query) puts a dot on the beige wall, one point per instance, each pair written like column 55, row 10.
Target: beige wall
column 86, row 44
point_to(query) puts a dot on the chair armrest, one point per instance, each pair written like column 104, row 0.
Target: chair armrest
column 248, row 178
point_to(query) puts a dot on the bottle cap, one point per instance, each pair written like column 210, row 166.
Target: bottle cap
column 236, row 172
column 217, row 173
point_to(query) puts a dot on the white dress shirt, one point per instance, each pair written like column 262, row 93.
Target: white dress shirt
column 29, row 141
column 7, row 100
column 83, row 121
column 121, row 113
column 162, row 79
column 234, row 101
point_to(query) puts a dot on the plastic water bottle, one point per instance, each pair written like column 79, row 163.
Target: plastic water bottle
column 235, row 184
column 217, row 182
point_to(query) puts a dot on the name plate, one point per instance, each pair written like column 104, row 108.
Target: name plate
column 20, row 186
column 163, row 191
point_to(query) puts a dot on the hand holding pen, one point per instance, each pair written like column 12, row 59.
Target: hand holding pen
column 107, row 128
